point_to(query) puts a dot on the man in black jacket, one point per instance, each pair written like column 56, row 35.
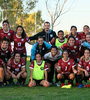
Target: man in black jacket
column 47, row 34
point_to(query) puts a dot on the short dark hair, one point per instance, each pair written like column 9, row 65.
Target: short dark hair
column 47, row 22
column 87, row 49
column 71, row 37
column 6, row 21
column 16, row 52
column 5, row 39
column 40, row 37
column 61, row 31
column 86, row 26
column 65, row 50
column 73, row 27
column 53, row 46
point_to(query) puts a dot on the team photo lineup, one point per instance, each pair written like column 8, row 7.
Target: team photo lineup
column 56, row 59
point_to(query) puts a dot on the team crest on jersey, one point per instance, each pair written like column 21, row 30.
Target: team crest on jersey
column 89, row 62
column 42, row 48
column 42, row 68
column 76, row 38
column 75, row 47
column 8, row 34
column 22, row 40
column 69, row 63
column 6, row 51
column 51, row 35
column 19, row 65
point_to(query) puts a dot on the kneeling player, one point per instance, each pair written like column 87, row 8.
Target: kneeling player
column 38, row 74
column 16, row 69
column 2, row 65
column 66, row 69
column 84, row 68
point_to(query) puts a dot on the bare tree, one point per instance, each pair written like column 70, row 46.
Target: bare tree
column 57, row 12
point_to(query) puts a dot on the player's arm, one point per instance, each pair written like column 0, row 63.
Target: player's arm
column 46, row 75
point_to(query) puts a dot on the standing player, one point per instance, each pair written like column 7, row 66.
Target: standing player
column 6, row 32
column 60, row 40
column 66, row 69
column 84, row 66
column 85, row 31
column 16, row 69
column 73, row 47
column 74, row 33
column 20, row 39
column 38, row 72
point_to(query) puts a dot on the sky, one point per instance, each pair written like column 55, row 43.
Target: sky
column 78, row 15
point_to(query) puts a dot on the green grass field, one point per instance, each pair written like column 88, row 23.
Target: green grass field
column 42, row 93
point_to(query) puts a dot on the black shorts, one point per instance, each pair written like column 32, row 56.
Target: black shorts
column 86, row 78
column 37, row 81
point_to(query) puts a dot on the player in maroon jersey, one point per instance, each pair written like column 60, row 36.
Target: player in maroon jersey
column 84, row 66
column 66, row 69
column 5, row 50
column 74, row 33
column 6, row 32
column 2, row 65
column 20, row 39
column 85, row 31
column 73, row 47
column 16, row 69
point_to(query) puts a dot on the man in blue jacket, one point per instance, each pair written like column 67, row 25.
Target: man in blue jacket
column 41, row 47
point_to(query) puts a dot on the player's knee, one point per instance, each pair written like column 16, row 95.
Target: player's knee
column 46, row 84
column 59, row 76
column 1, row 69
column 24, row 75
column 71, row 76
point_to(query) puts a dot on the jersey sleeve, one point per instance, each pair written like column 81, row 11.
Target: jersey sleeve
column 32, row 65
column 23, row 64
column 80, row 63
column 46, row 66
column 27, row 39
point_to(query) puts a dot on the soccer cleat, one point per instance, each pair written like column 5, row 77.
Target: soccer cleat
column 87, row 85
column 77, row 84
column 80, row 86
column 57, row 84
column 62, row 84
column 67, row 86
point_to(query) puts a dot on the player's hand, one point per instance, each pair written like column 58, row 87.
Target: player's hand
column 89, row 79
column 14, row 76
column 86, row 74
column 75, row 71
column 18, row 75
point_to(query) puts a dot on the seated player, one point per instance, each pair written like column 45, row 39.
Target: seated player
column 73, row 47
column 84, row 67
column 38, row 72
column 52, row 59
column 85, row 44
column 20, row 39
column 66, row 69
column 6, row 32
column 5, row 54
column 16, row 70
column 60, row 40
column 2, row 65
column 41, row 47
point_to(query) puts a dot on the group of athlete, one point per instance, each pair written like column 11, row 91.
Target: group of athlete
column 54, row 58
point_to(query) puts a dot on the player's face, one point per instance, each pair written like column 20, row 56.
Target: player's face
column 86, row 29
column 53, row 51
column 88, row 38
column 40, row 41
column 86, row 53
column 4, row 44
column 65, row 54
column 17, row 57
column 71, row 42
column 60, row 35
column 73, row 30
column 19, row 31
column 5, row 26
column 47, row 27
column 38, row 57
